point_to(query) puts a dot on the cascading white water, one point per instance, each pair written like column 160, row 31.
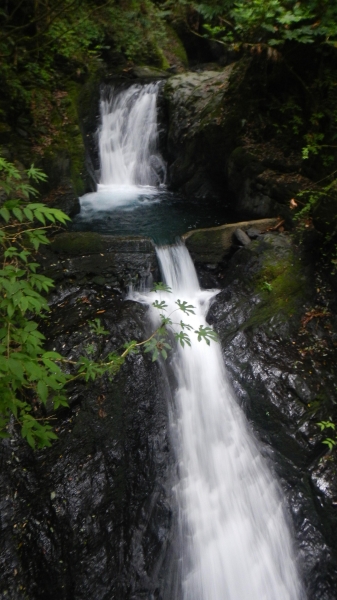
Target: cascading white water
column 235, row 539
column 234, row 536
column 128, row 137
column 132, row 171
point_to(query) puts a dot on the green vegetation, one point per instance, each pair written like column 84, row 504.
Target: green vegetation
column 330, row 442
column 48, row 50
column 272, row 22
column 39, row 38
column 279, row 282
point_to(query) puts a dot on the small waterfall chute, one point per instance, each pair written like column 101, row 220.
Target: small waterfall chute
column 128, row 137
column 235, row 541
column 132, row 170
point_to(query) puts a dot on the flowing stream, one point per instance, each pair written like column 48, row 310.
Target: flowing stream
column 234, row 537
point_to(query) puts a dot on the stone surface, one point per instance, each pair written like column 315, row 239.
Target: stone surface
column 281, row 368
column 196, row 138
column 263, row 183
column 149, row 73
column 90, row 517
column 210, row 245
column 222, row 143
column 64, row 198
column 115, row 262
column 94, row 515
column 242, row 237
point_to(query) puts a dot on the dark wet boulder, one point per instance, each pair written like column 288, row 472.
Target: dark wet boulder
column 280, row 358
column 64, row 198
column 198, row 138
column 222, row 143
column 263, row 181
column 110, row 261
column 90, row 517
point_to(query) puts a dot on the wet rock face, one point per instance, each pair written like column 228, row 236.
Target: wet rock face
column 197, row 141
column 222, row 142
column 114, row 263
column 285, row 385
column 93, row 516
column 64, row 198
column 263, row 181
column 90, row 516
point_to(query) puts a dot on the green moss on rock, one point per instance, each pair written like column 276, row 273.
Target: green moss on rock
column 279, row 281
column 212, row 244
column 81, row 243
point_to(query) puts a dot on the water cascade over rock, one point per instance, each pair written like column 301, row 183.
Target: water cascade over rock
column 234, row 537
column 128, row 137
column 156, row 487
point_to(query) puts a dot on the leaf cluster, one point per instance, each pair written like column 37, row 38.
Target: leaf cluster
column 330, row 442
column 273, row 22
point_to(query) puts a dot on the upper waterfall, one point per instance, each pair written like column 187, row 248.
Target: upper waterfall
column 131, row 195
column 128, row 137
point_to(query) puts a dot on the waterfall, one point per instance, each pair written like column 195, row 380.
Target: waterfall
column 132, row 171
column 128, row 137
column 234, row 534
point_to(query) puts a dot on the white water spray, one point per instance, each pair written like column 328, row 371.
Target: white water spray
column 132, row 170
column 128, row 138
column 235, row 540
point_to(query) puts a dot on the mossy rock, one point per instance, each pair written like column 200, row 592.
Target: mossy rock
column 212, row 244
column 173, row 50
column 86, row 243
column 267, row 287
column 146, row 72
column 242, row 158
column 279, row 280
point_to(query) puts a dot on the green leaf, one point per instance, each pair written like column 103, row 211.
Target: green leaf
column 40, row 216
column 18, row 214
column 182, row 338
column 160, row 305
column 185, row 307
column 5, row 214
column 60, row 401
column 207, row 334
column 161, row 287
column 53, row 355
column 42, row 390
column 330, row 443
column 28, row 214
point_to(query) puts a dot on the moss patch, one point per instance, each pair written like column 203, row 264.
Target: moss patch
column 173, row 50
column 211, row 244
column 280, row 285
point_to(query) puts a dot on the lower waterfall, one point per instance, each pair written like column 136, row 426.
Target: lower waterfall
column 235, row 541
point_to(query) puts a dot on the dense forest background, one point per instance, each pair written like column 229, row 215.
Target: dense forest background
column 54, row 54
column 50, row 49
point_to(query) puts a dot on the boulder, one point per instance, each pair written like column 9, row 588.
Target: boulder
column 212, row 244
column 279, row 353
column 115, row 262
column 198, row 137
